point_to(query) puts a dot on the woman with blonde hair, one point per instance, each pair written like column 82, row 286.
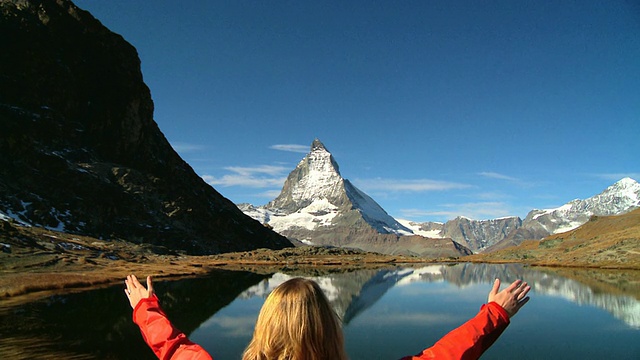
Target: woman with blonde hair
column 297, row 322
column 288, row 325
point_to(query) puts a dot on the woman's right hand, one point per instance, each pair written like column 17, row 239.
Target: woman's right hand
column 512, row 298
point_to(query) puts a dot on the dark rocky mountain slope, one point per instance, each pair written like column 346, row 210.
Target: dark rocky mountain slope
column 80, row 151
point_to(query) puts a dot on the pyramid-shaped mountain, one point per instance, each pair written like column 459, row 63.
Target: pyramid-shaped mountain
column 317, row 186
column 317, row 206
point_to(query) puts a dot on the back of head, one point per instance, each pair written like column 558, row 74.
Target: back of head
column 296, row 322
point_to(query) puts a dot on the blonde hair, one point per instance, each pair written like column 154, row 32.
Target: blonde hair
column 296, row 322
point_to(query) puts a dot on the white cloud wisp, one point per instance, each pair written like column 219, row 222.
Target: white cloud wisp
column 400, row 185
column 291, row 148
column 264, row 176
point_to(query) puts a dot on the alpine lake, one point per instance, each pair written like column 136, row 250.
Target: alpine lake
column 386, row 314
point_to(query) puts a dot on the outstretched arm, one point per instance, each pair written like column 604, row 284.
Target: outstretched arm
column 163, row 338
column 513, row 298
column 475, row 336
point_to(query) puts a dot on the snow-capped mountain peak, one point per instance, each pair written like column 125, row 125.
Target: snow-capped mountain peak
column 316, row 176
column 621, row 197
column 315, row 197
column 626, row 188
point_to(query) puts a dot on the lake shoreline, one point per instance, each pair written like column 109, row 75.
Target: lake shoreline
column 28, row 282
column 35, row 263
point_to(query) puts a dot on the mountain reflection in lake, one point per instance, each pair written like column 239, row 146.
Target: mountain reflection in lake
column 386, row 314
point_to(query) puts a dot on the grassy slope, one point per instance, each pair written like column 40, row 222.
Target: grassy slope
column 605, row 242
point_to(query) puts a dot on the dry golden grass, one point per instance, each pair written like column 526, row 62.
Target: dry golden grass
column 42, row 262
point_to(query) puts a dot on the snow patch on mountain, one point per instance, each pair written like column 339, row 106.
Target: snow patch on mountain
column 8, row 215
column 260, row 214
column 417, row 228
column 319, row 213
column 322, row 180
column 4, row 217
column 568, row 227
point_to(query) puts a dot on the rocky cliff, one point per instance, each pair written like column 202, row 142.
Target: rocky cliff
column 81, row 152
column 479, row 234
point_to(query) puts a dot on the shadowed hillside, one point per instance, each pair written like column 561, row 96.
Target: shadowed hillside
column 81, row 152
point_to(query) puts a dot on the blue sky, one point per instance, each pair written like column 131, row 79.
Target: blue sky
column 434, row 108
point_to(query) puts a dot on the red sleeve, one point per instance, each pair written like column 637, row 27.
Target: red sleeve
column 471, row 339
column 166, row 341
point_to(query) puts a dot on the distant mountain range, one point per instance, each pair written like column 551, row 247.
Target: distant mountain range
column 488, row 235
column 317, row 206
column 603, row 241
column 619, row 198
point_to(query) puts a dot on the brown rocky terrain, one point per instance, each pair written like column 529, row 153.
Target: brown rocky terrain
column 36, row 262
column 603, row 242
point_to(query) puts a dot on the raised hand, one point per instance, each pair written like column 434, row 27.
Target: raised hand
column 512, row 298
column 136, row 291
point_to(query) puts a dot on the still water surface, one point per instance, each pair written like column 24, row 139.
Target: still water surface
column 386, row 314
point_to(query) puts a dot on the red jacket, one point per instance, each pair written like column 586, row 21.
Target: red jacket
column 472, row 338
column 468, row 341
column 166, row 341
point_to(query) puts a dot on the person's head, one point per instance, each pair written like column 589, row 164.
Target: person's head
column 296, row 322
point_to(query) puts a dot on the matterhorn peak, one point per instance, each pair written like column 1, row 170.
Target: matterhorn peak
column 317, row 176
column 320, row 158
column 315, row 186
column 317, row 145
column 318, row 207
